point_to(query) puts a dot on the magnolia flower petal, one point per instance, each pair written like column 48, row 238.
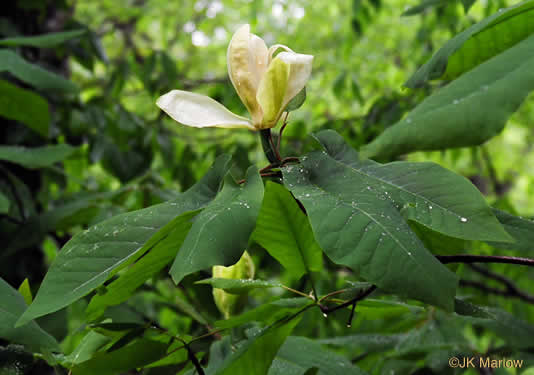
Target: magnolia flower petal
column 300, row 71
column 272, row 90
column 276, row 47
column 246, row 50
column 199, row 111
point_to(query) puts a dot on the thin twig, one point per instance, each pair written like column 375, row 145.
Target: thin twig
column 327, row 310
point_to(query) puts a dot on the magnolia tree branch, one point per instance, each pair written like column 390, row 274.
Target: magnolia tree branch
column 511, row 290
column 468, row 259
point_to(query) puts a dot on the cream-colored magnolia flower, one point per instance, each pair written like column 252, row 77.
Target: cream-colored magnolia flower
column 264, row 84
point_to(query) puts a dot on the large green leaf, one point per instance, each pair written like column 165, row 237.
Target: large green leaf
column 42, row 41
column 12, row 306
column 221, row 232
column 358, row 225
column 521, row 229
column 468, row 111
column 36, row 157
column 33, row 74
column 149, row 265
column 24, row 106
column 285, row 232
column 138, row 354
column 92, row 256
column 303, row 353
column 424, row 192
column 478, row 43
column 254, row 357
column 88, row 346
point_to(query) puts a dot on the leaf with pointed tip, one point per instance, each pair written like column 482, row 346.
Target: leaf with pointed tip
column 221, row 232
column 358, row 226
column 285, row 232
column 36, row 157
column 478, row 43
column 24, row 106
column 92, row 256
column 30, row 335
column 521, row 229
column 33, row 74
column 468, row 111
column 424, row 192
column 255, row 355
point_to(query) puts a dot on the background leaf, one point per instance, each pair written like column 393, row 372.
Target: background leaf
column 478, row 43
column 36, row 157
column 33, row 74
column 467, row 112
column 42, row 41
column 24, row 106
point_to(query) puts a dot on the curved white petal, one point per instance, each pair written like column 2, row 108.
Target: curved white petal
column 247, row 59
column 299, row 73
column 199, row 111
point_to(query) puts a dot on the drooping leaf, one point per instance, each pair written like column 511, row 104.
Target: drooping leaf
column 254, row 357
column 424, row 192
column 92, row 256
column 238, row 286
column 358, row 226
column 468, row 111
column 521, row 229
column 12, row 306
column 24, row 106
column 42, row 41
column 153, row 262
column 140, row 353
column 305, row 353
column 33, row 74
column 36, row 157
column 285, row 232
column 220, row 233
column 478, row 43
